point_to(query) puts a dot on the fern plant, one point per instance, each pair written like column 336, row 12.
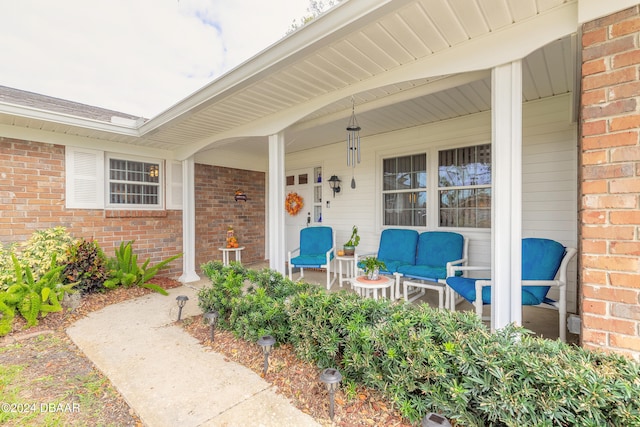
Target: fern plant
column 124, row 269
column 31, row 297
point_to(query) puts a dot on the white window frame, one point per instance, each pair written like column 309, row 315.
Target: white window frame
column 424, row 189
column 433, row 201
column 131, row 206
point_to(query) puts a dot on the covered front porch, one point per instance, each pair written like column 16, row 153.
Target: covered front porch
column 417, row 91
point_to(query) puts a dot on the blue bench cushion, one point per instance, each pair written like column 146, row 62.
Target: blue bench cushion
column 397, row 248
column 423, row 272
column 435, row 250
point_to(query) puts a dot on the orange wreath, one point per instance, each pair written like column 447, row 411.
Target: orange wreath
column 293, row 203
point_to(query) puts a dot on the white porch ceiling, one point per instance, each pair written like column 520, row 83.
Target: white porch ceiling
column 304, row 83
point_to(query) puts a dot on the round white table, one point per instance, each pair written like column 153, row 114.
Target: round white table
column 226, row 251
column 365, row 287
column 350, row 272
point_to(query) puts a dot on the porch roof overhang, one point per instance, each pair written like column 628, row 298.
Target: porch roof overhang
column 406, row 62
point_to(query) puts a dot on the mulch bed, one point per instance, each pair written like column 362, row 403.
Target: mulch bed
column 299, row 381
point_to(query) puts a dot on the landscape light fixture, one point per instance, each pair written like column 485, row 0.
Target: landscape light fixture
column 266, row 342
column 211, row 318
column 331, row 378
column 334, row 183
column 435, row 420
column 181, row 300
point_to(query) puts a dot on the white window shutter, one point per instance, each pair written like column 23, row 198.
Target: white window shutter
column 174, row 185
column 84, row 178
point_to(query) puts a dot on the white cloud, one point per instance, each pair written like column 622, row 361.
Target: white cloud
column 135, row 56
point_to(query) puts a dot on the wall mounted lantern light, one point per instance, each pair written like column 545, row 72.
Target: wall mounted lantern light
column 334, row 183
column 240, row 196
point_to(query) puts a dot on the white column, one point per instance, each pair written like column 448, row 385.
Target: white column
column 188, row 222
column 506, row 123
column 276, row 236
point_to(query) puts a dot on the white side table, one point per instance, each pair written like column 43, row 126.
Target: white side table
column 226, row 251
column 365, row 287
column 350, row 270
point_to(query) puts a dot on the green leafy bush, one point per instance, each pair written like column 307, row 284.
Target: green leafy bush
column 86, row 266
column 125, row 271
column 34, row 253
column 37, row 251
column 227, row 284
column 31, row 297
column 426, row 360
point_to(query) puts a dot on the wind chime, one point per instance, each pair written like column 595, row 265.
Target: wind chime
column 353, row 142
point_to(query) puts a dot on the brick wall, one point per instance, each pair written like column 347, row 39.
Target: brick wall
column 610, row 211
column 216, row 209
column 32, row 193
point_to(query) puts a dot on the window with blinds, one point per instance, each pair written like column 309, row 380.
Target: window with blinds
column 404, row 190
column 134, row 183
column 464, row 187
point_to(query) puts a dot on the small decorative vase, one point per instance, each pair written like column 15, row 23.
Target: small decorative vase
column 375, row 274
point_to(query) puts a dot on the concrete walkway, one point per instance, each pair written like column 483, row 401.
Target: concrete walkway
column 167, row 377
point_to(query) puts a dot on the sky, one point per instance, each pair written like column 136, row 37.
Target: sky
column 134, row 56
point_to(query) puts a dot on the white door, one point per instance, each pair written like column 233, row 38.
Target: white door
column 302, row 182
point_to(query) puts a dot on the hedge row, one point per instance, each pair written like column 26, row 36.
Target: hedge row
column 425, row 360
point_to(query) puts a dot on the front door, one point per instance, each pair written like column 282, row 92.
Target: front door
column 305, row 183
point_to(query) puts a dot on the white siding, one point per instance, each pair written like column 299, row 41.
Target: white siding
column 549, row 177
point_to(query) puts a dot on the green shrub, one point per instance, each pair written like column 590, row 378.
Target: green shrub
column 34, row 253
column 227, row 284
column 7, row 272
column 30, row 297
column 426, row 360
column 86, row 266
column 37, row 251
column 125, row 271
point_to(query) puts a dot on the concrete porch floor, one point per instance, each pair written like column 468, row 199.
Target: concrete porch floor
column 542, row 321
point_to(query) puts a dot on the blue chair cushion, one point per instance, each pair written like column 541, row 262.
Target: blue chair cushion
column 541, row 259
column 423, row 272
column 397, row 247
column 311, row 261
column 466, row 287
column 437, row 248
column 315, row 241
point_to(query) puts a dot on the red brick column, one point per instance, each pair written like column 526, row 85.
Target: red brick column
column 610, row 185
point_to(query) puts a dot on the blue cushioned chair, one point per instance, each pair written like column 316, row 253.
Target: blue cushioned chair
column 397, row 248
column 544, row 264
column 436, row 252
column 316, row 250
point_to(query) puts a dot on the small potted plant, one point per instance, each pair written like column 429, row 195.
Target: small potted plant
column 350, row 247
column 372, row 266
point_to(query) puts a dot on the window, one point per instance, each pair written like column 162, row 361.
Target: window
column 404, row 190
column 464, row 186
column 134, row 183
